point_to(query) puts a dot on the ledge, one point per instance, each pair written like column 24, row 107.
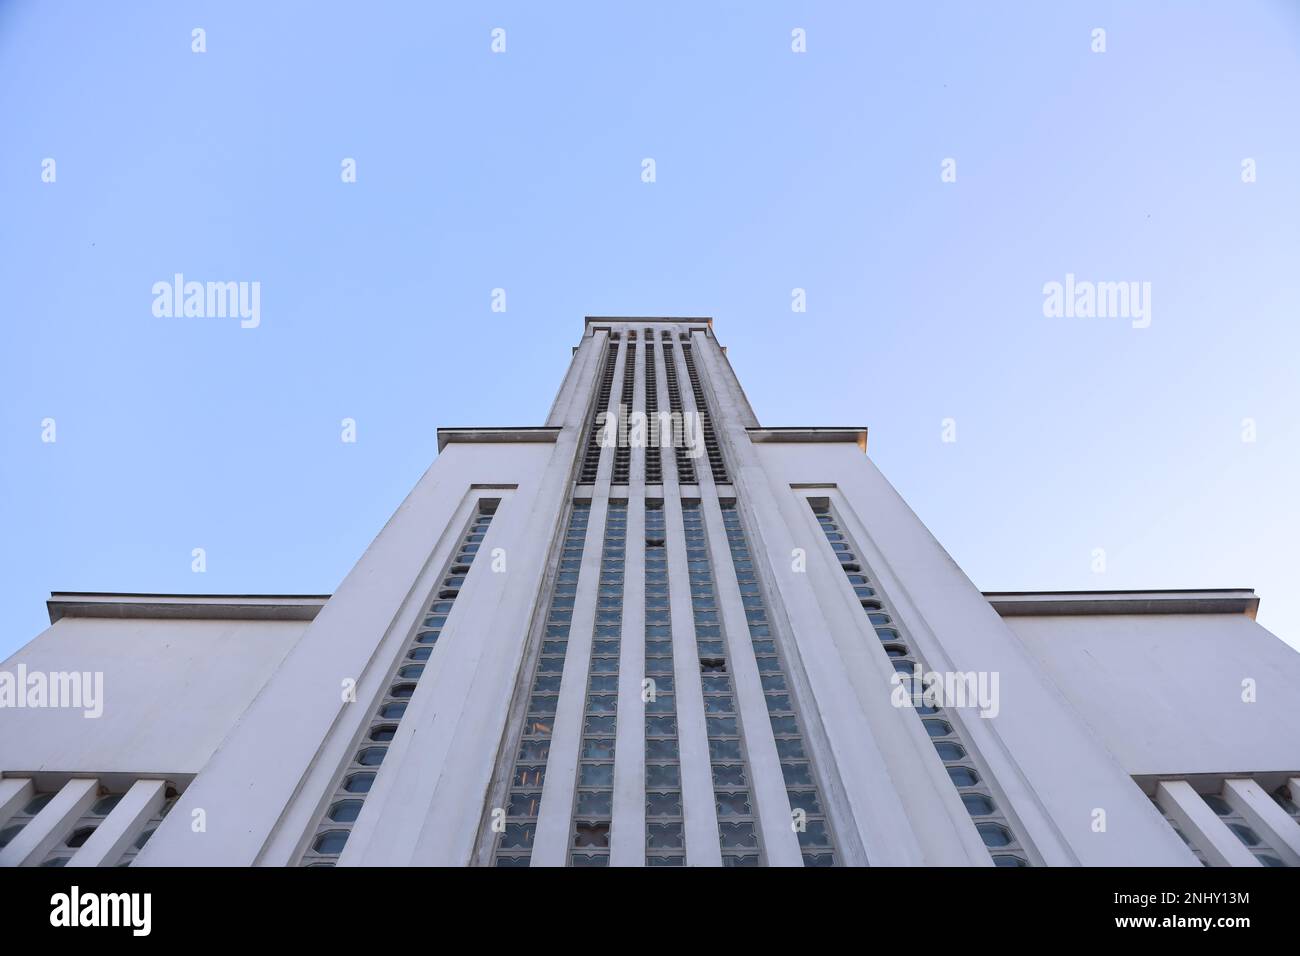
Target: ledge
column 224, row 607
column 858, row 436
column 539, row 433
column 305, row 607
column 651, row 319
column 1191, row 601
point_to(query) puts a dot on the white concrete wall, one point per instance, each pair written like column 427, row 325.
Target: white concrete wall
column 265, row 786
column 173, row 689
column 1051, row 771
column 254, row 708
column 1164, row 693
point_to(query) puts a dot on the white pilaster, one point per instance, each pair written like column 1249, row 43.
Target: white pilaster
column 15, row 793
column 1274, row 824
column 122, row 825
column 559, row 789
column 51, row 825
column 699, row 808
column 627, row 828
column 767, row 784
column 1202, row 825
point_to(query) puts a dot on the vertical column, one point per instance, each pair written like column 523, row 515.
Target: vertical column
column 112, row 837
column 665, row 839
column 1277, row 827
column 15, row 793
column 767, row 786
column 30, row 846
column 854, row 754
column 594, row 810
column 554, row 818
column 627, row 836
column 699, row 812
column 636, row 355
column 526, row 764
column 1185, row 806
column 559, row 790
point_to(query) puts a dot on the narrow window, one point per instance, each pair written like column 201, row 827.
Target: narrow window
column 594, row 804
column 515, row 845
column 336, row 824
column 951, row 749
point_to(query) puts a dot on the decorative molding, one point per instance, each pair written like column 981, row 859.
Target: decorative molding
column 1194, row 601
column 506, row 435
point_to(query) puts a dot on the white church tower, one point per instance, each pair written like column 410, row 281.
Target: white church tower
column 653, row 632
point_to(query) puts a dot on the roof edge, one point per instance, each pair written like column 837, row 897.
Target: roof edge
column 809, row 434
column 217, row 607
column 1178, row 601
column 305, row 607
column 650, row 319
column 498, row 435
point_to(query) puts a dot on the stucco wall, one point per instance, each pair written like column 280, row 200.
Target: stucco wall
column 173, row 689
column 1164, row 692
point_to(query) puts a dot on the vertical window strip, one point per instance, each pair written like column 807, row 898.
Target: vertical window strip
column 524, row 796
column 591, row 458
column 333, row 829
column 716, row 463
column 1001, row 841
column 665, row 841
column 815, row 841
column 594, row 806
column 737, row 835
column 685, row 467
column 623, row 450
column 654, row 474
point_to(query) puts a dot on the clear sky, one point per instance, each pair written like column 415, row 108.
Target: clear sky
column 522, row 170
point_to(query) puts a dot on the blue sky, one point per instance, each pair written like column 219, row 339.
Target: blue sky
column 522, row 171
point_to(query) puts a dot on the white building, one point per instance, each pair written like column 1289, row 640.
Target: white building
column 562, row 652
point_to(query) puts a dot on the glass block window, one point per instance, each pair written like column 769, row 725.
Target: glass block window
column 717, row 466
column 623, row 450
column 654, row 474
column 335, row 825
column 737, row 833
column 663, row 780
column 685, row 467
column 810, row 823
column 976, row 795
column 593, row 811
column 591, row 458
column 524, row 797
